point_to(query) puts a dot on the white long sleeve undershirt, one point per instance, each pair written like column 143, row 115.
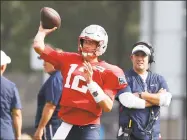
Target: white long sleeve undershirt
column 129, row 100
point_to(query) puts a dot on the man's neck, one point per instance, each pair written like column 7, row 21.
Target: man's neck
column 143, row 74
column 140, row 72
column 92, row 60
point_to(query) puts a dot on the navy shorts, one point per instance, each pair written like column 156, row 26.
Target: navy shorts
column 88, row 132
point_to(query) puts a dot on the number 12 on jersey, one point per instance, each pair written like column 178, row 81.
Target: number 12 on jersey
column 76, row 80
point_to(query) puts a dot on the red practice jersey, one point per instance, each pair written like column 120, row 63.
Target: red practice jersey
column 78, row 107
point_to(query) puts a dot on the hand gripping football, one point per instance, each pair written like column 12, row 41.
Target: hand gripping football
column 49, row 18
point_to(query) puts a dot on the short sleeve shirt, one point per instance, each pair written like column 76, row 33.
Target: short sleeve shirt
column 9, row 100
column 51, row 91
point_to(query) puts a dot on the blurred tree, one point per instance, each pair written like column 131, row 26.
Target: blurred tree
column 125, row 31
column 20, row 21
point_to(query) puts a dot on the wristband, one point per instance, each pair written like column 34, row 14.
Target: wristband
column 96, row 91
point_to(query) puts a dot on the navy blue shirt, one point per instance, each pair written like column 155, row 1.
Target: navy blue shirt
column 51, row 91
column 140, row 117
column 9, row 100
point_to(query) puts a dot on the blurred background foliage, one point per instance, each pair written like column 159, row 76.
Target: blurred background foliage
column 20, row 22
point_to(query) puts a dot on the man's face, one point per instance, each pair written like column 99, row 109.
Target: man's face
column 140, row 61
column 48, row 67
column 89, row 46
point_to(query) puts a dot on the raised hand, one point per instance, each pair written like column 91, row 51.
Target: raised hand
column 88, row 71
column 46, row 31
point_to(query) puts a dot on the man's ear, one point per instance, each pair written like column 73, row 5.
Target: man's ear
column 131, row 57
column 3, row 67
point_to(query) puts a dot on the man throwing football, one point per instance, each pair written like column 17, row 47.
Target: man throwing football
column 90, row 84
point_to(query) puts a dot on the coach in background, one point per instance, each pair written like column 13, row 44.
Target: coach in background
column 10, row 105
column 139, row 116
column 47, row 121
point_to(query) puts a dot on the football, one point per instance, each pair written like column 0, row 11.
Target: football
column 49, row 18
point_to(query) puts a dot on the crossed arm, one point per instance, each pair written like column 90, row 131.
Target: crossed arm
column 161, row 98
column 129, row 100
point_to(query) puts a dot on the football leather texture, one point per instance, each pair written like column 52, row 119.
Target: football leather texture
column 50, row 18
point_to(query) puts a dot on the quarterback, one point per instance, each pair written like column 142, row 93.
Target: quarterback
column 89, row 86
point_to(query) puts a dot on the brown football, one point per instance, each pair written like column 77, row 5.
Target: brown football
column 49, row 18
